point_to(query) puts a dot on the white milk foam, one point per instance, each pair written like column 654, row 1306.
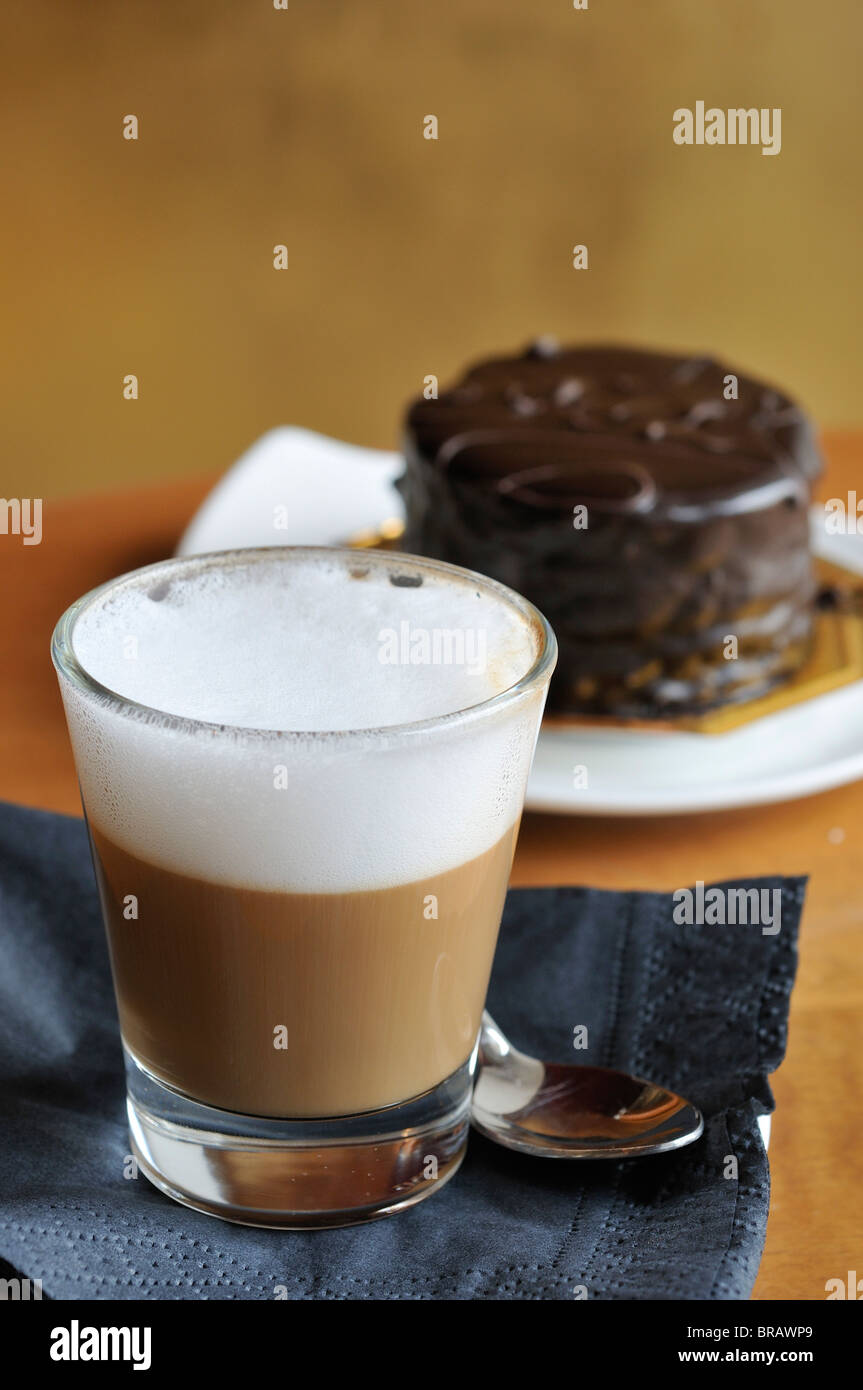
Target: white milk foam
column 296, row 645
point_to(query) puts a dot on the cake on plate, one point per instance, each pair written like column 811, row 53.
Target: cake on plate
column 653, row 506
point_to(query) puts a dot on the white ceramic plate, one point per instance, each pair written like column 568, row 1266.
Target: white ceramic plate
column 328, row 490
column 296, row 487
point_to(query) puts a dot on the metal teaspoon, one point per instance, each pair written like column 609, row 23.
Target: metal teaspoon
column 556, row 1110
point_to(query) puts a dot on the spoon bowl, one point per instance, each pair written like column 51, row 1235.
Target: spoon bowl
column 556, row 1110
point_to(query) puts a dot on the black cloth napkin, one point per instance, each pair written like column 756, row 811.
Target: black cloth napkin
column 702, row 1009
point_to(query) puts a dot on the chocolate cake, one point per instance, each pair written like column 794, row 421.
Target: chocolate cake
column 653, row 506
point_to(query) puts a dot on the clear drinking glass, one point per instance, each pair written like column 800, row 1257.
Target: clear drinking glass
column 303, row 772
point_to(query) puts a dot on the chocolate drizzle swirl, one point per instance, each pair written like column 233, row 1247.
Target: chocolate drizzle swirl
column 605, row 408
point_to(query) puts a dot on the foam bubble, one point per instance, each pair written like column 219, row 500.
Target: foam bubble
column 313, row 644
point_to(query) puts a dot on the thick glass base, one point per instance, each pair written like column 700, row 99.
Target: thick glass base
column 297, row 1174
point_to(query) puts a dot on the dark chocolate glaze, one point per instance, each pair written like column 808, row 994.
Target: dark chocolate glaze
column 695, row 507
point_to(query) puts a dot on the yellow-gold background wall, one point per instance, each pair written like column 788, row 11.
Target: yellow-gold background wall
column 407, row 256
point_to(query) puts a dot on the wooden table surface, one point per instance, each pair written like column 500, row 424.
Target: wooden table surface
column 815, row 1231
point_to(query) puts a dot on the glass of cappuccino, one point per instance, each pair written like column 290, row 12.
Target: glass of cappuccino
column 303, row 772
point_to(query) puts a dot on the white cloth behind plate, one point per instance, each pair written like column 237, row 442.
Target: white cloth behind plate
column 295, row 487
